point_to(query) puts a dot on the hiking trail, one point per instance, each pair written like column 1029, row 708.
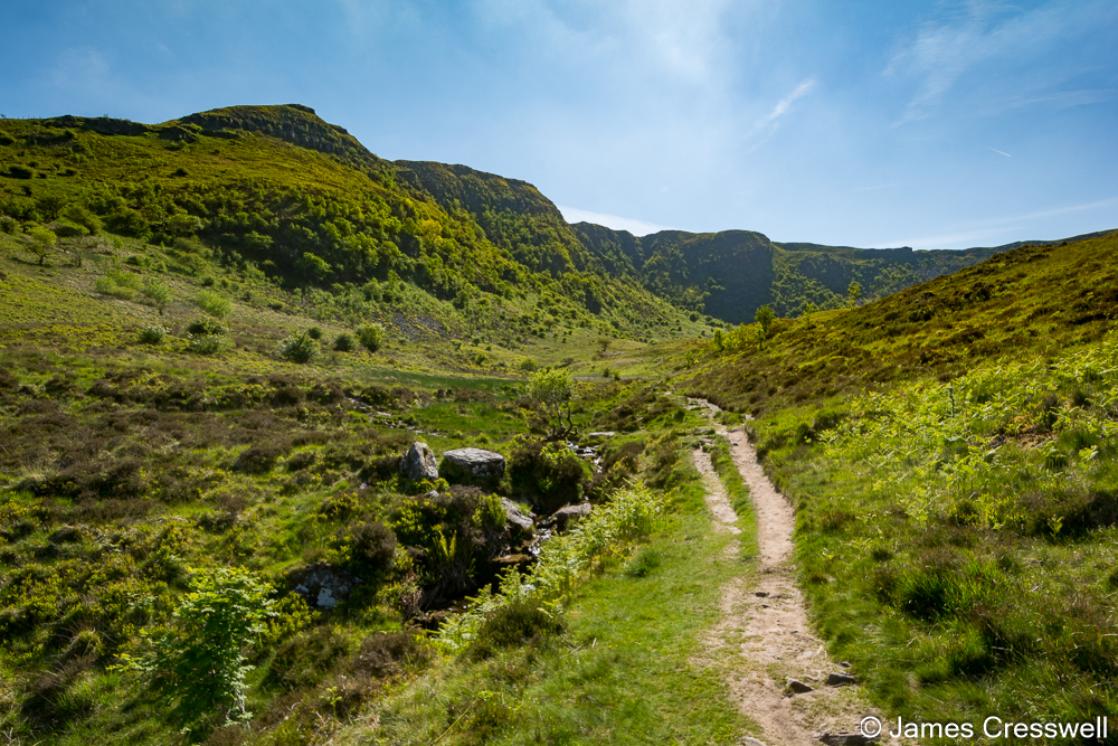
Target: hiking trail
column 781, row 676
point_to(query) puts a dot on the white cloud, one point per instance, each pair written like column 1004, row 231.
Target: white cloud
column 1001, row 153
column 617, row 222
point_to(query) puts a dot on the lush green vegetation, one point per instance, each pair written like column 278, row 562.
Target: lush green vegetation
column 952, row 454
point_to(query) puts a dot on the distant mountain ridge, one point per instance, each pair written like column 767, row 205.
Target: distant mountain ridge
column 729, row 274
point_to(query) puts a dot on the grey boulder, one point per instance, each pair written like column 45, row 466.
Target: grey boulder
column 475, row 466
column 419, row 463
column 569, row 514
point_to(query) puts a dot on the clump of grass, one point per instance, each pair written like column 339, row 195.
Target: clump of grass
column 213, row 303
column 119, row 284
column 644, row 562
column 152, row 335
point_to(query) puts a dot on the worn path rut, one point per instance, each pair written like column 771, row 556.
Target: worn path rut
column 764, row 627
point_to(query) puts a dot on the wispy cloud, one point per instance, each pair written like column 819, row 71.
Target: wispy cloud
column 617, row 222
column 687, row 42
column 767, row 125
column 972, row 233
column 943, row 52
column 875, row 187
column 1002, row 153
column 784, row 104
column 81, row 68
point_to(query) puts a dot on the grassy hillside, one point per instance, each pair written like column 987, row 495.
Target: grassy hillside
column 952, row 454
column 1038, row 297
column 277, row 190
column 730, row 274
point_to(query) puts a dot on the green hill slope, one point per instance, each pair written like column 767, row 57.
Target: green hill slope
column 301, row 200
column 952, row 453
column 1038, row 298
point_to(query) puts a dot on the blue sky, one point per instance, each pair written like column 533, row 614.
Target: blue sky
column 936, row 125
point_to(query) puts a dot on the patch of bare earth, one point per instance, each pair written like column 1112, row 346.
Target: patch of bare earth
column 764, row 628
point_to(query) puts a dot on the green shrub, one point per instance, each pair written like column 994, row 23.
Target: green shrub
column 82, row 216
column 119, row 284
column 205, row 327
column 315, row 333
column 344, row 343
column 69, row 229
column 213, row 303
column 299, row 349
column 371, row 336
column 152, row 335
column 206, row 344
column 198, row 662
column 548, row 474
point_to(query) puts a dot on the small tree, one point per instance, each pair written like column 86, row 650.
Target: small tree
column 42, row 242
column 198, row 661
column 299, row 349
column 550, row 392
column 854, row 292
column 764, row 318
